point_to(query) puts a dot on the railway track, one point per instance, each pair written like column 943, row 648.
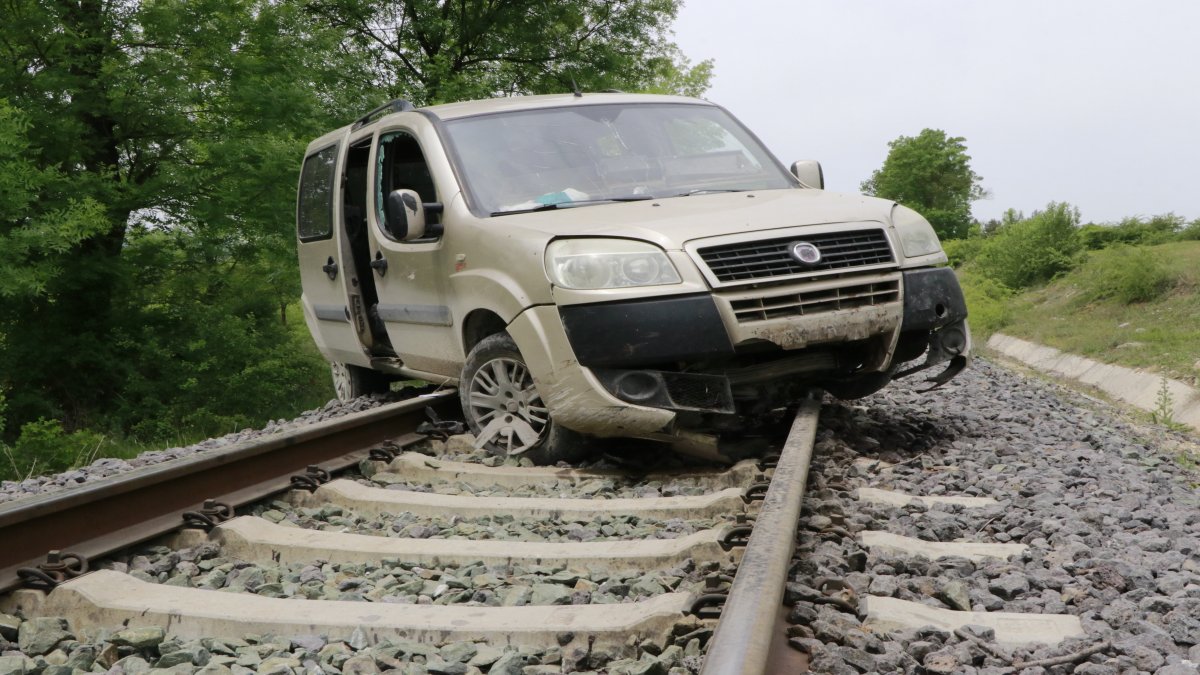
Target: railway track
column 431, row 566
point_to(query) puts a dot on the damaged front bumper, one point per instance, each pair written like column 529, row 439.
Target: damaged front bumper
column 935, row 313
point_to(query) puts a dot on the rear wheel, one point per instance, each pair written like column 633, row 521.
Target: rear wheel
column 502, row 406
column 350, row 381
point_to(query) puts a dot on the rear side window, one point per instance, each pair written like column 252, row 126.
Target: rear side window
column 314, row 210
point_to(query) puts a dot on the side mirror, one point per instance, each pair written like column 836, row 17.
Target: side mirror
column 403, row 215
column 810, row 174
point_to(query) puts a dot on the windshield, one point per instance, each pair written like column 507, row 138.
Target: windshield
column 590, row 154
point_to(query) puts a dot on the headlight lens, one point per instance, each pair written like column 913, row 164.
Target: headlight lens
column 591, row 264
column 917, row 237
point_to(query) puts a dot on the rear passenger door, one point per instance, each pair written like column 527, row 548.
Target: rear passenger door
column 332, row 305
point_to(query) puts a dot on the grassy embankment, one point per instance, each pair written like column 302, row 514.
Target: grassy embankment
column 1131, row 306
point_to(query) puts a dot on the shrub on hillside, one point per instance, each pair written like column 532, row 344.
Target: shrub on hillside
column 987, row 302
column 962, row 251
column 1125, row 274
column 1032, row 251
column 1191, row 232
column 1133, row 231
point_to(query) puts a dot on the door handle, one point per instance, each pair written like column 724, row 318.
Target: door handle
column 330, row 268
column 379, row 264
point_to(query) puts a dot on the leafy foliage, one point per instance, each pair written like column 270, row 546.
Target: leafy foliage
column 148, row 158
column 39, row 216
column 1137, row 232
column 1126, row 274
column 435, row 51
column 126, row 121
column 1032, row 251
column 960, row 251
column 987, row 300
column 931, row 174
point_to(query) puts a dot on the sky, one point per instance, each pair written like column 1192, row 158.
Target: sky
column 1091, row 102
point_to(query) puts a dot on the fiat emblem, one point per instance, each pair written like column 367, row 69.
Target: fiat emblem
column 806, row 253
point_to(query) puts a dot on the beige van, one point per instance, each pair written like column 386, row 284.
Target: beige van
column 609, row 265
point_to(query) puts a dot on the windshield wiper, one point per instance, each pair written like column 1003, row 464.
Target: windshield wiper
column 705, row 191
column 572, row 204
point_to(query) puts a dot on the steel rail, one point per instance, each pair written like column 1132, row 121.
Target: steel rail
column 112, row 513
column 741, row 644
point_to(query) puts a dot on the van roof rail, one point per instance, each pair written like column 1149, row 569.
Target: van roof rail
column 393, row 106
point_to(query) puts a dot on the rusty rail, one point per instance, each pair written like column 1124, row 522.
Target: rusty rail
column 742, row 642
column 116, row 512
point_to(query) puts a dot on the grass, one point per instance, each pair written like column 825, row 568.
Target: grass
column 1161, row 335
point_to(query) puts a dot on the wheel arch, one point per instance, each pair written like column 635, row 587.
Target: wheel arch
column 479, row 324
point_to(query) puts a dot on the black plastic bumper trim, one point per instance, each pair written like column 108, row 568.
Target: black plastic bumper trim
column 932, row 299
column 645, row 332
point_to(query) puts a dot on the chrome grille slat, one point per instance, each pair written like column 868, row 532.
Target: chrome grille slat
column 807, row 303
column 765, row 259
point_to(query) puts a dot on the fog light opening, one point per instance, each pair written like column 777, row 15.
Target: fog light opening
column 637, row 385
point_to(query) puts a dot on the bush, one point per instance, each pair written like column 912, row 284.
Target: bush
column 1126, row 274
column 1134, row 231
column 962, row 251
column 1191, row 232
column 987, row 302
column 1032, row 251
column 43, row 447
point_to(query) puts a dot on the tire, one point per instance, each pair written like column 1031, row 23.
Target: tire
column 495, row 381
column 350, row 382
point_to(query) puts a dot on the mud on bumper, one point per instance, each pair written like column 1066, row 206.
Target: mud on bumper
column 631, row 346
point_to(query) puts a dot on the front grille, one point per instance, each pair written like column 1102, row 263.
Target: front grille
column 772, row 258
column 806, row 303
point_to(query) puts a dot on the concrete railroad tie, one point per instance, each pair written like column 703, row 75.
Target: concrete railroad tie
column 103, row 599
column 256, row 540
column 885, row 614
column 374, row 501
column 417, row 468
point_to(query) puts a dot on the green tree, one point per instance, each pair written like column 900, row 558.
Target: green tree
column 40, row 216
column 125, row 118
column 435, row 51
column 930, row 173
column 148, row 160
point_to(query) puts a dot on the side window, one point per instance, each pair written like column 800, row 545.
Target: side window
column 401, row 166
column 314, row 206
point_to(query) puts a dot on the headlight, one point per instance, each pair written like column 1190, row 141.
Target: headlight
column 917, row 237
column 589, row 264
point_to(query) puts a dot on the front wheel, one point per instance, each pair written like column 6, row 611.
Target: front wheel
column 350, row 382
column 502, row 406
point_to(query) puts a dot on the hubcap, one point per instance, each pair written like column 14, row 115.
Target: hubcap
column 506, row 406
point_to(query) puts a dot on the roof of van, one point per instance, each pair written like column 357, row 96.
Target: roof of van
column 449, row 111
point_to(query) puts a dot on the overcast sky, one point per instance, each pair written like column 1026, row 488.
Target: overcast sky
column 1091, row 102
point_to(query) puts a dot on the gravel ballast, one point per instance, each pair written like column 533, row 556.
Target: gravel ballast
column 1110, row 521
column 501, row 527
column 1109, row 514
column 399, row 582
column 112, row 466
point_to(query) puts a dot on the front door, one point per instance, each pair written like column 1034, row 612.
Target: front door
column 411, row 276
